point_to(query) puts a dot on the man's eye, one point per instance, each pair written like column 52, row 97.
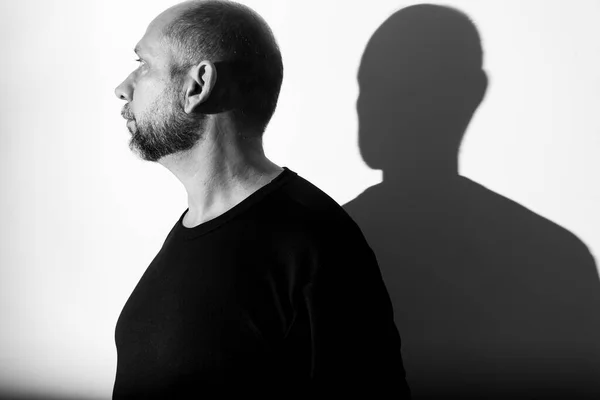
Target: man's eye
column 140, row 61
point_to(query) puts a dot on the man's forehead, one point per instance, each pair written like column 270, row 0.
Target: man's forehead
column 150, row 42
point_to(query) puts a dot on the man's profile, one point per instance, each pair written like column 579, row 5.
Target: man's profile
column 264, row 284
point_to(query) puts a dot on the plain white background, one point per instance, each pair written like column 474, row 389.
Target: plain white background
column 81, row 217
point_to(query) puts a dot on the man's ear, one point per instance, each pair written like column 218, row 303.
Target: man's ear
column 201, row 82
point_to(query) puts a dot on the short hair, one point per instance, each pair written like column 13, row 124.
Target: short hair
column 238, row 40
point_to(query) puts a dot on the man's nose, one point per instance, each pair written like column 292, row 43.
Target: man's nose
column 125, row 90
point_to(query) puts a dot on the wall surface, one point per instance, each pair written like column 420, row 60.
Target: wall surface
column 497, row 286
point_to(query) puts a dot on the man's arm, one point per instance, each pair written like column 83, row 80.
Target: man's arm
column 354, row 342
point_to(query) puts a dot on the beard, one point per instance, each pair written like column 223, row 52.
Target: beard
column 164, row 128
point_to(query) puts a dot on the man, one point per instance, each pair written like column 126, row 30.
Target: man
column 264, row 285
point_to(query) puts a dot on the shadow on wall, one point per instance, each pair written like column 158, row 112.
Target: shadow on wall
column 490, row 298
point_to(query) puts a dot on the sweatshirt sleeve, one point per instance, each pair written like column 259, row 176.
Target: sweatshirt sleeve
column 355, row 345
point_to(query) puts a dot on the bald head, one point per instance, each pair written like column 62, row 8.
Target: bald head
column 242, row 47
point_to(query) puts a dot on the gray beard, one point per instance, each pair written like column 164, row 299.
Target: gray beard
column 165, row 129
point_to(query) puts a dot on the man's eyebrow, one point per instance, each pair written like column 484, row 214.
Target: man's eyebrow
column 138, row 50
column 141, row 53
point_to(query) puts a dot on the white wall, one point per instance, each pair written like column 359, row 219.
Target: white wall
column 81, row 217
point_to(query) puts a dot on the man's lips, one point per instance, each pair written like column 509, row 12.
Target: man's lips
column 129, row 122
column 126, row 113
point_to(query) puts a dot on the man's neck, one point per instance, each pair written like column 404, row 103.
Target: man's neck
column 220, row 171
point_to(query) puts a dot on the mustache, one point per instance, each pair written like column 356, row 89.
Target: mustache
column 126, row 112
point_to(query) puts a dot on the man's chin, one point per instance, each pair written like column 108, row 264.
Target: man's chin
column 142, row 155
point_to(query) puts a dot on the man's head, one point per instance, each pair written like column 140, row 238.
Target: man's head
column 199, row 60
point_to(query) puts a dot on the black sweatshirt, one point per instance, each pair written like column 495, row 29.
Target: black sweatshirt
column 279, row 296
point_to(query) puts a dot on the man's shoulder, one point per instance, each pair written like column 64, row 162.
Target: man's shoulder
column 308, row 195
column 300, row 208
column 308, row 230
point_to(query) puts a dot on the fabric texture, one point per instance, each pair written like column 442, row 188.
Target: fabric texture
column 280, row 296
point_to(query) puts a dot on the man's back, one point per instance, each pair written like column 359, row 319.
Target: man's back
column 278, row 294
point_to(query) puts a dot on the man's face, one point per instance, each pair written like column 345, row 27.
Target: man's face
column 154, row 111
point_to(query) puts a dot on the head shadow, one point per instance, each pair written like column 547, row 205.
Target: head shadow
column 490, row 298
